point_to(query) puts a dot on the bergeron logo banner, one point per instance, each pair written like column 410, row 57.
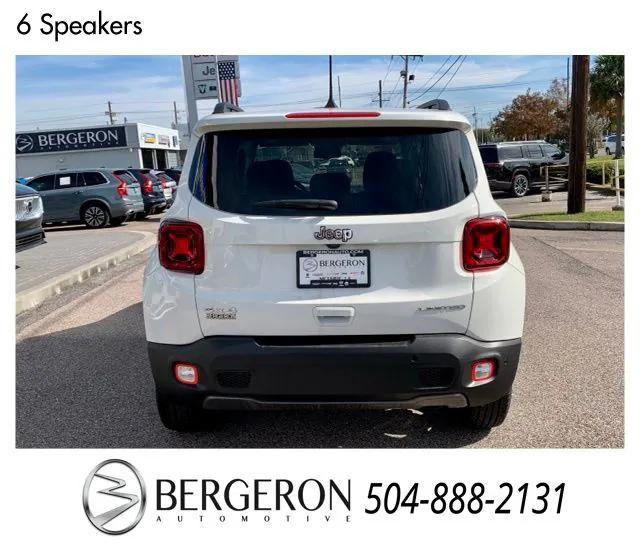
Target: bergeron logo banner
column 114, row 497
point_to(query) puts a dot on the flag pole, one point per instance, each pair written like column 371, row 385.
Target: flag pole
column 217, row 77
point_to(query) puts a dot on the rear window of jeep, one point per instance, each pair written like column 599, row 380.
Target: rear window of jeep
column 356, row 171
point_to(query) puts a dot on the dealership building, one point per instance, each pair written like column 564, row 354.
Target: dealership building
column 129, row 145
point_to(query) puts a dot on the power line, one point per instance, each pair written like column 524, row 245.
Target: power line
column 432, row 76
column 438, row 80
column 452, row 77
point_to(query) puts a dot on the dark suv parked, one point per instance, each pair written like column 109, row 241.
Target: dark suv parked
column 516, row 166
column 153, row 195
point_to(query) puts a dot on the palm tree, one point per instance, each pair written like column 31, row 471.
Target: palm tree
column 607, row 84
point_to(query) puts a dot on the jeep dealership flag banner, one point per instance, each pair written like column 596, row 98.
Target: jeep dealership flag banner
column 83, row 139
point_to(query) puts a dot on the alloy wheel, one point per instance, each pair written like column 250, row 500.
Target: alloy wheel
column 520, row 185
column 95, row 216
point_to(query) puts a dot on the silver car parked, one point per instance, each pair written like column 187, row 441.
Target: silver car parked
column 94, row 197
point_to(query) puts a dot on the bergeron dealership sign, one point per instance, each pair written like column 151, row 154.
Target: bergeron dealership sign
column 71, row 140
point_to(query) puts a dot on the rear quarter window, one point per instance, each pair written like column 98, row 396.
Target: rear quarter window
column 93, row 178
column 489, row 154
column 511, row 153
column 365, row 171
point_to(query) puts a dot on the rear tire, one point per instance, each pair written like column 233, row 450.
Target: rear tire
column 177, row 415
column 520, row 185
column 95, row 216
column 488, row 416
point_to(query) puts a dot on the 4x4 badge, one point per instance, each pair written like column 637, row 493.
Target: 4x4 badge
column 333, row 234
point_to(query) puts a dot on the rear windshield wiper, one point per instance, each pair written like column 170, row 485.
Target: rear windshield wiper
column 299, row 203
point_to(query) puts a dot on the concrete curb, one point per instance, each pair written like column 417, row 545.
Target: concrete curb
column 33, row 297
column 566, row 225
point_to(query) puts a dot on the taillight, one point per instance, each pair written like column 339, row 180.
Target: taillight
column 147, row 184
column 492, row 165
column 485, row 243
column 181, row 246
column 121, row 189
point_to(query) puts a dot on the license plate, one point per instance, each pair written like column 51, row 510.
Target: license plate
column 167, row 193
column 333, row 268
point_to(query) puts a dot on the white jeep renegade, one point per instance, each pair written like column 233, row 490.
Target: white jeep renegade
column 334, row 258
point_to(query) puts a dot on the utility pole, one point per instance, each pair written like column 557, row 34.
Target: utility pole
column 380, row 93
column 404, row 74
column 406, row 81
column 175, row 114
column 578, row 135
column 110, row 113
column 475, row 122
column 339, row 93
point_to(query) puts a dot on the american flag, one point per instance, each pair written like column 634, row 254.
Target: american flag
column 228, row 82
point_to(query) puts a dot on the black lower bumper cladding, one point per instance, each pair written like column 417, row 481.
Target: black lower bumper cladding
column 401, row 371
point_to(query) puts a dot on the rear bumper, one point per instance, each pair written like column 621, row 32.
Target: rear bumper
column 497, row 185
column 126, row 209
column 154, row 204
column 363, row 372
column 29, row 234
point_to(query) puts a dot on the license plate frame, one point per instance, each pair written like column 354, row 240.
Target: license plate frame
column 341, row 282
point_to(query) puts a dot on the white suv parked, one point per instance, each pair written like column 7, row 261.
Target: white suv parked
column 278, row 283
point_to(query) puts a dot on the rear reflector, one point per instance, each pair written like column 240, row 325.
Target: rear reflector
column 483, row 370
column 181, row 246
column 333, row 114
column 485, row 243
column 186, row 373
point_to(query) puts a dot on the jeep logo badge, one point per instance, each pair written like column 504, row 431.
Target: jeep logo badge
column 333, row 234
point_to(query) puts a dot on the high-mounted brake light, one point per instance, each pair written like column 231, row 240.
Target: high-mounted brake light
column 181, row 246
column 333, row 114
column 485, row 243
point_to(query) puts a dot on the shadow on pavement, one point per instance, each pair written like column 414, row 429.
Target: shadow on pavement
column 91, row 387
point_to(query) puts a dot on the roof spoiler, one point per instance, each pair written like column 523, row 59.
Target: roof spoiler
column 226, row 107
column 436, row 104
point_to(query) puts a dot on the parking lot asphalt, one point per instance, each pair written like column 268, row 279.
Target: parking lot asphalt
column 83, row 379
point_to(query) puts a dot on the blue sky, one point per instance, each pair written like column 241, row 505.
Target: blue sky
column 72, row 91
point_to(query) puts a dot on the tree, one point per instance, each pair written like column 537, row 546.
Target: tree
column 530, row 116
column 557, row 93
column 607, row 85
column 596, row 123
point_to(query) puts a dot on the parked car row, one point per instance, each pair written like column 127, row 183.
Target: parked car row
column 99, row 197
column 516, row 166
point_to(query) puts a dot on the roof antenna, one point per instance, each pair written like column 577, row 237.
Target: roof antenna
column 331, row 104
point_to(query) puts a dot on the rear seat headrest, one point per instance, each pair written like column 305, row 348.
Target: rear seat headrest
column 330, row 185
column 271, row 175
